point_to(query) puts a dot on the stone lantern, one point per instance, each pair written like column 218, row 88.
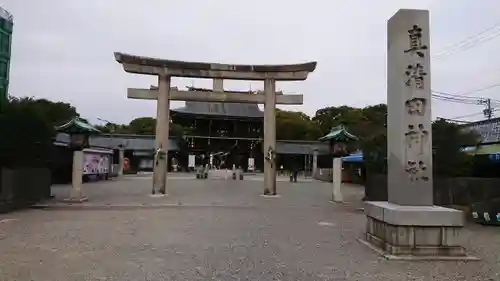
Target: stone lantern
column 79, row 131
column 339, row 139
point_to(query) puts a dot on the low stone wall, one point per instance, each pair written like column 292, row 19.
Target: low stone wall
column 325, row 174
column 25, row 186
column 114, row 170
column 447, row 191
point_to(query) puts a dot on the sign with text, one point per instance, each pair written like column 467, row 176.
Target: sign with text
column 191, row 161
column 95, row 163
column 251, row 164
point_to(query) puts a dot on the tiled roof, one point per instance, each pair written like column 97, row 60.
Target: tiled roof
column 77, row 125
column 301, row 148
column 489, row 130
column 339, row 133
column 132, row 142
column 220, row 108
column 140, row 142
column 191, row 88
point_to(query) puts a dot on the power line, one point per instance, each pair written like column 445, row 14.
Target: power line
column 466, row 116
column 468, row 46
column 486, row 102
column 470, row 37
column 453, row 120
column 486, row 113
column 462, row 96
column 451, row 99
column 454, row 98
column 459, row 98
column 483, row 89
column 469, row 42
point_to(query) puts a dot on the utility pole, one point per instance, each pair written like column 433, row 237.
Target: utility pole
column 488, row 111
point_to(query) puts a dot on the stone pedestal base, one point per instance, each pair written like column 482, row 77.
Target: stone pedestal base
column 76, row 196
column 157, row 195
column 414, row 232
column 270, row 196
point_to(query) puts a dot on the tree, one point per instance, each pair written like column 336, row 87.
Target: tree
column 374, row 120
column 292, row 125
column 332, row 116
column 142, row 126
column 176, row 130
column 447, row 142
column 27, row 134
column 57, row 113
column 111, row 128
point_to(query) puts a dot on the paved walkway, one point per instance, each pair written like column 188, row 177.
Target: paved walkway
column 221, row 230
column 184, row 189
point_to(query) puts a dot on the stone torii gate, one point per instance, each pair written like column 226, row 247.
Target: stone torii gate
column 165, row 69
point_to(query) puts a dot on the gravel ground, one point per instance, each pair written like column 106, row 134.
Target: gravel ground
column 223, row 231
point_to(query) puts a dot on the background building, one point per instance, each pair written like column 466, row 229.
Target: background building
column 6, row 24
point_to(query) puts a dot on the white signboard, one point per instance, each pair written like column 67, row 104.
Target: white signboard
column 146, row 164
column 191, row 161
column 251, row 162
column 95, row 163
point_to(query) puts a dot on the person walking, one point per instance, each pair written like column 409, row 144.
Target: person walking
column 293, row 174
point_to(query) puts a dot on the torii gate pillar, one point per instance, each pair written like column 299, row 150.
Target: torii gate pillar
column 270, row 137
column 160, row 168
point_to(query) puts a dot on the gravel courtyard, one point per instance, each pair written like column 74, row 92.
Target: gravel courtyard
column 214, row 230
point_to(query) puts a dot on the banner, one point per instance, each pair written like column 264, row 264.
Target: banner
column 95, row 163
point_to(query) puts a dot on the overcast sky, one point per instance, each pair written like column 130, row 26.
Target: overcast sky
column 63, row 49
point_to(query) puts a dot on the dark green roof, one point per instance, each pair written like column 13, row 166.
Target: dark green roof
column 339, row 133
column 78, row 126
column 220, row 109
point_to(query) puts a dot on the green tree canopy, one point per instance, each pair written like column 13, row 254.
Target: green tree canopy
column 110, row 128
column 292, row 125
column 332, row 116
column 447, row 142
column 57, row 113
column 142, row 126
column 448, row 139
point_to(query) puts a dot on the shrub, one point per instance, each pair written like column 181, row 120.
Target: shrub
column 26, row 136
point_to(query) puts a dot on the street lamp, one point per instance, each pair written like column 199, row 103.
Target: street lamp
column 338, row 139
column 79, row 131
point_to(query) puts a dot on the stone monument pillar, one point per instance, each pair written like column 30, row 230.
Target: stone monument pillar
column 79, row 131
column 160, row 168
column 315, row 162
column 409, row 226
column 76, row 192
column 337, row 180
column 121, row 161
column 270, row 137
